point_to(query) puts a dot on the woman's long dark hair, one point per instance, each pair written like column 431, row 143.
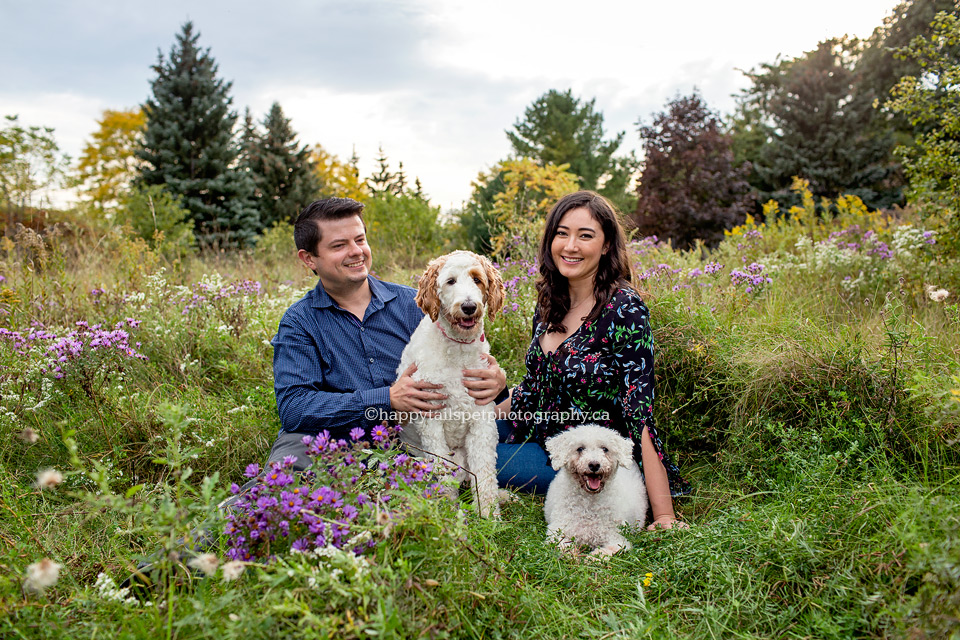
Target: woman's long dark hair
column 613, row 272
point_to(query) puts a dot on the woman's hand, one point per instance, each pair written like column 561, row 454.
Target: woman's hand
column 667, row 522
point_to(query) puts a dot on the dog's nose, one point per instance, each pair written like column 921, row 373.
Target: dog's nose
column 594, row 467
column 468, row 308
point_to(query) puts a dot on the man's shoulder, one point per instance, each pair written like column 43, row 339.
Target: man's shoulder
column 399, row 289
column 393, row 292
column 300, row 308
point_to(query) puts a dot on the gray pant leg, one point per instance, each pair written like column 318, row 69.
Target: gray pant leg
column 290, row 444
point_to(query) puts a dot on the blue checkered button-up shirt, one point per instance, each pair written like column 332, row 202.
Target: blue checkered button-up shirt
column 329, row 367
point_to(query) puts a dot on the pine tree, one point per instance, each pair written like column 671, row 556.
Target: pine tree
column 815, row 124
column 283, row 174
column 189, row 144
column 382, row 181
column 398, row 186
column 558, row 129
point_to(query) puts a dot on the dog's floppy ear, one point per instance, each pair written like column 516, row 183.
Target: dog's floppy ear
column 559, row 448
column 495, row 290
column 427, row 298
column 623, row 448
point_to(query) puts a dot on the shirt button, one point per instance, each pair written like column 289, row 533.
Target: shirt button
column 362, row 329
column 371, row 360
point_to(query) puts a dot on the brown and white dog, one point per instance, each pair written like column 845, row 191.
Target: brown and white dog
column 455, row 292
column 598, row 488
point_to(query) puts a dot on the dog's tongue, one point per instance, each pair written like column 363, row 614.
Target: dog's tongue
column 593, row 482
column 467, row 322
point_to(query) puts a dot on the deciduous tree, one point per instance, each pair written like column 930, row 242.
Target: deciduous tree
column 691, row 188
column 337, row 178
column 109, row 162
column 30, row 163
column 518, row 212
column 931, row 103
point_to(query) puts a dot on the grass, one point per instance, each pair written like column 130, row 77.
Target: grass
column 817, row 422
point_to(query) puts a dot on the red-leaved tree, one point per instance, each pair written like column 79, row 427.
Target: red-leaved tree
column 690, row 187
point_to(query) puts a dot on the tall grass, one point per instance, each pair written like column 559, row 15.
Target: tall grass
column 816, row 415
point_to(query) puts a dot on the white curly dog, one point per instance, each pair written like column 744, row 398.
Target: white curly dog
column 598, row 488
column 455, row 292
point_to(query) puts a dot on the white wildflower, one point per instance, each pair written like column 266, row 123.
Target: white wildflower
column 108, row 590
column 29, row 436
column 232, row 570
column 206, row 562
column 939, row 295
column 49, row 478
column 41, row 575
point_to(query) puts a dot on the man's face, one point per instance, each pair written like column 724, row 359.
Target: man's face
column 342, row 258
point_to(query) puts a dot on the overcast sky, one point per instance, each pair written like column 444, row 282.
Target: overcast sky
column 435, row 82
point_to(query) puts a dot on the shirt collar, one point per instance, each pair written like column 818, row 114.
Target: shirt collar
column 379, row 295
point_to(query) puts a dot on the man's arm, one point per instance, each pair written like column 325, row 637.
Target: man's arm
column 302, row 401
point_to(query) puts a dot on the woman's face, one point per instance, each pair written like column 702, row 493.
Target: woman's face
column 577, row 245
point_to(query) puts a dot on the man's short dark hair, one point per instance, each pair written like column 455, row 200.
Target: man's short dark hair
column 306, row 231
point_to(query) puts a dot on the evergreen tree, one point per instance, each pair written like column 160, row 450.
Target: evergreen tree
column 282, row 171
column 189, row 144
column 691, row 188
column 398, row 186
column 816, row 126
column 560, row 129
column 382, row 181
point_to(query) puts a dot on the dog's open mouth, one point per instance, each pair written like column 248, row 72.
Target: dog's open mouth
column 466, row 323
column 593, row 482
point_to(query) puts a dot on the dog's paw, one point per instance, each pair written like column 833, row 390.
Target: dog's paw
column 604, row 552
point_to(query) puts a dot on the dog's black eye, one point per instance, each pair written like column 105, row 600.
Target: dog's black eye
column 605, row 450
column 580, row 449
column 452, row 281
column 477, row 280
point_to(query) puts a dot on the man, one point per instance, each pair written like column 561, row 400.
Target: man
column 337, row 349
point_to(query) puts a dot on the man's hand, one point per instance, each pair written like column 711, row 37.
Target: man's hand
column 411, row 395
column 484, row 385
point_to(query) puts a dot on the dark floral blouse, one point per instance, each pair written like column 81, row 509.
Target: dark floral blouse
column 603, row 373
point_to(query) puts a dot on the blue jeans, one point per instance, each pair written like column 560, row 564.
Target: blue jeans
column 524, row 467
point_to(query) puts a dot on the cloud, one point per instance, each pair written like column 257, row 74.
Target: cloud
column 436, row 82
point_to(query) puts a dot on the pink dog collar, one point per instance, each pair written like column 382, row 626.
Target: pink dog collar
column 437, row 323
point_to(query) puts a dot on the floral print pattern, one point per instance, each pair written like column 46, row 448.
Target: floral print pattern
column 602, row 373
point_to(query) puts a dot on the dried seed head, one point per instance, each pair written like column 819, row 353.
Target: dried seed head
column 41, row 575
column 49, row 478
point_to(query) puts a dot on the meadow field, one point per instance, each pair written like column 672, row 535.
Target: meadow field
column 807, row 373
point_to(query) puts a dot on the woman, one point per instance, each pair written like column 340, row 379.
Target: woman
column 591, row 357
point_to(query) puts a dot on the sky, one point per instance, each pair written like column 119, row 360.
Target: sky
column 435, row 83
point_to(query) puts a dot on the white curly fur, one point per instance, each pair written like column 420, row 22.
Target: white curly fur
column 455, row 292
column 597, row 489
